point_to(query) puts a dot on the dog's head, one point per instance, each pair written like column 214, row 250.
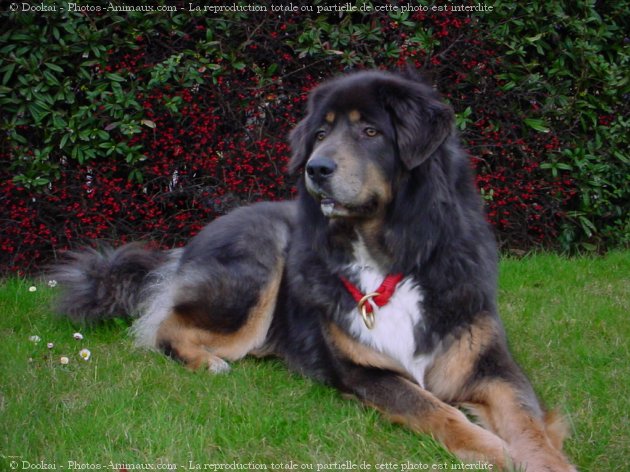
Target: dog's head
column 360, row 132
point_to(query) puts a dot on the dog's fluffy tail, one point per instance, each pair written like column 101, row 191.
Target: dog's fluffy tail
column 105, row 283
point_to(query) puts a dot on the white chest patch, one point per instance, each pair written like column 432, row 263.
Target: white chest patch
column 395, row 322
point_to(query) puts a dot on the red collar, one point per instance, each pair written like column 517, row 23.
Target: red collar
column 379, row 297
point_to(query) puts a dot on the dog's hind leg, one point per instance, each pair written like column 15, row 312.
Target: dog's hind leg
column 189, row 345
column 198, row 337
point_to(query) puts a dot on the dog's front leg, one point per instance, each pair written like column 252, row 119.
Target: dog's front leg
column 476, row 370
column 405, row 402
column 534, row 438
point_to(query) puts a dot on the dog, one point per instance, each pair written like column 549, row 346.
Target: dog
column 379, row 279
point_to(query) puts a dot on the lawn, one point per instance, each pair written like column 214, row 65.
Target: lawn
column 567, row 320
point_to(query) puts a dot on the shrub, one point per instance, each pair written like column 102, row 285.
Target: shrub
column 135, row 126
column 573, row 68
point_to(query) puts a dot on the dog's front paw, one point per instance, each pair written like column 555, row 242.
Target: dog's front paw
column 544, row 459
column 482, row 446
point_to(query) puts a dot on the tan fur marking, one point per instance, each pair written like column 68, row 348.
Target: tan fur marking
column 196, row 346
column 375, row 182
column 533, row 442
column 360, row 353
column 451, row 368
column 557, row 428
column 451, row 427
column 252, row 335
column 188, row 344
column 371, row 230
column 330, row 117
column 354, row 116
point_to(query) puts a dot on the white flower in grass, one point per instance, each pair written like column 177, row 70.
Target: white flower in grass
column 64, row 360
column 50, row 345
column 34, row 338
column 85, row 354
column 32, row 288
column 52, row 283
column 77, row 336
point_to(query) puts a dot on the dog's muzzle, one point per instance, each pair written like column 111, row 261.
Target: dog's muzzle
column 319, row 175
column 320, row 169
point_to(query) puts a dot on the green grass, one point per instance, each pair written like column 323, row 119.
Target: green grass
column 566, row 319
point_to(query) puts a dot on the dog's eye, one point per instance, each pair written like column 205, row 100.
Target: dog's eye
column 320, row 135
column 371, row 132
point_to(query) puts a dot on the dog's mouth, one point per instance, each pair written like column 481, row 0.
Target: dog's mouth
column 331, row 208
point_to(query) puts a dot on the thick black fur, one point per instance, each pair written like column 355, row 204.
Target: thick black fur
column 434, row 229
column 423, row 219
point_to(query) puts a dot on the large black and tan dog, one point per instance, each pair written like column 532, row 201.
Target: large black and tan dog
column 379, row 280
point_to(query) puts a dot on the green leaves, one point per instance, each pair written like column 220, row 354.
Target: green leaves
column 463, row 119
column 80, row 90
column 575, row 68
column 536, row 124
column 57, row 97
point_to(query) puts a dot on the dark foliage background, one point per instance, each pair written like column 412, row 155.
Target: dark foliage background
column 132, row 125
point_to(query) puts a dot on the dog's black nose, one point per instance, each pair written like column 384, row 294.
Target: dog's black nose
column 320, row 169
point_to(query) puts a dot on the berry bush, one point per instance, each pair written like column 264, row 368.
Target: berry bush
column 126, row 126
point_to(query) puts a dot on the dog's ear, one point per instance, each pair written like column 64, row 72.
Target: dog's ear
column 421, row 120
column 300, row 147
